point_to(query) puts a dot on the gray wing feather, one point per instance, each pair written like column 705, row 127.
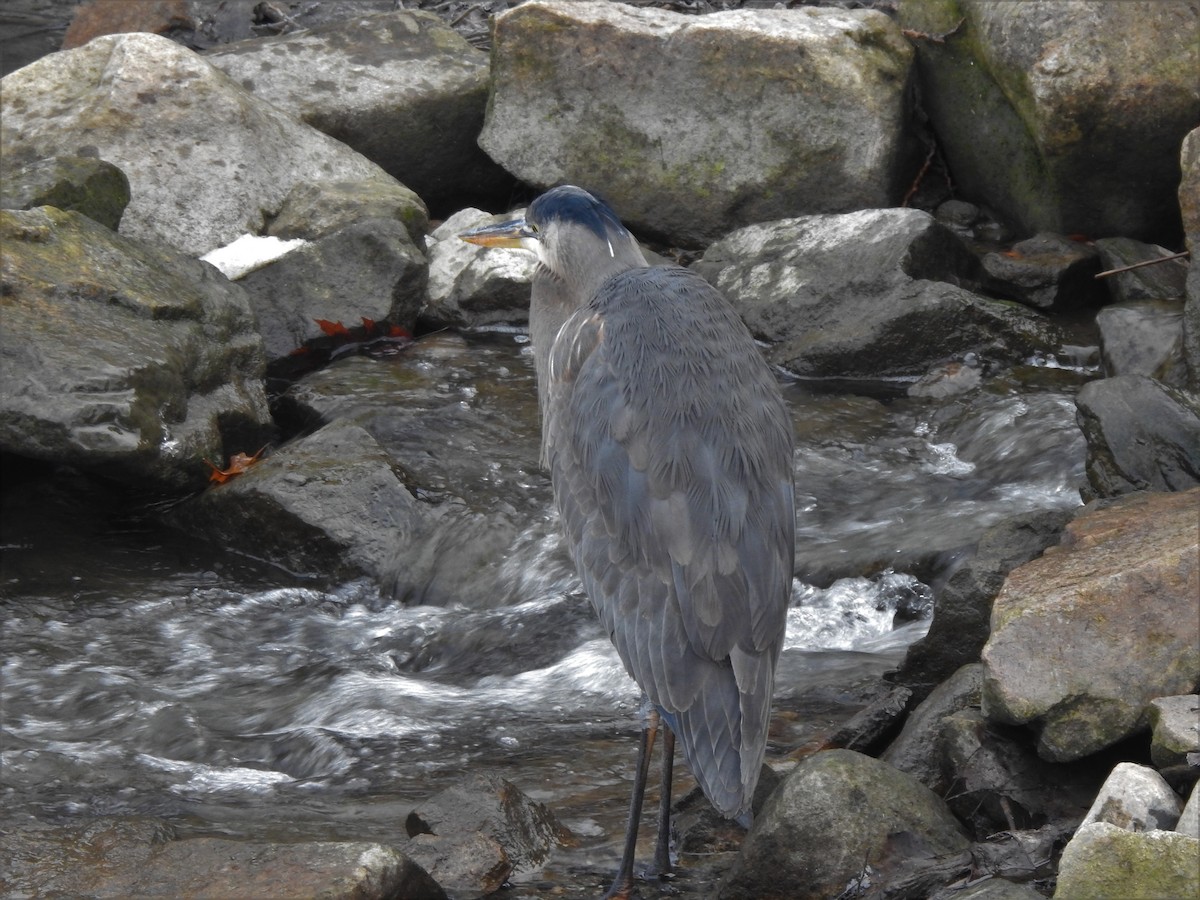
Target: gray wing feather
column 670, row 450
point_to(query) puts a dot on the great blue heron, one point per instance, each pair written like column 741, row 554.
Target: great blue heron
column 670, row 452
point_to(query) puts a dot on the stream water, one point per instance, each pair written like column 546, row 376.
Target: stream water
column 146, row 674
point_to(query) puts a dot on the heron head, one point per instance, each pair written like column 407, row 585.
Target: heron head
column 575, row 236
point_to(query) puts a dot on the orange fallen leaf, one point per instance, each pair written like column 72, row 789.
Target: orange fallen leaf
column 332, row 328
column 238, row 463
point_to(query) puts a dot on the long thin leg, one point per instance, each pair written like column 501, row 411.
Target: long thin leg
column 662, row 849
column 622, row 886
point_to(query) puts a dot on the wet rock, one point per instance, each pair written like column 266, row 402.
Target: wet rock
column 1022, row 856
column 868, row 730
column 472, row 286
column 120, row 858
column 401, row 88
column 871, row 293
column 1141, row 435
column 843, row 819
column 151, row 108
column 123, row 358
column 1047, row 271
column 1103, row 860
column 96, row 188
column 991, row 889
column 316, row 209
column 948, row 380
column 99, row 17
column 472, row 836
column 369, row 269
column 1009, row 88
column 1135, row 798
column 962, row 607
column 1084, row 637
column 329, row 504
column 1161, row 281
column 699, row 829
column 1144, row 337
column 917, row 749
column 598, row 94
column 1175, row 729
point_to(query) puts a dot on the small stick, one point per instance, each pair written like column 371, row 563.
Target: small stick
column 1144, row 262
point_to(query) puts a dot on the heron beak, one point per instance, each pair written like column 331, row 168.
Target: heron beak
column 504, row 234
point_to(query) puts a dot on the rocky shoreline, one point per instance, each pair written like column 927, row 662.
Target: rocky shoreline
column 1042, row 740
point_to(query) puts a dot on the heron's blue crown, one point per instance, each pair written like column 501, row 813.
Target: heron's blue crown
column 572, row 204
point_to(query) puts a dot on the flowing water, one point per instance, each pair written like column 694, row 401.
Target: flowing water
column 144, row 674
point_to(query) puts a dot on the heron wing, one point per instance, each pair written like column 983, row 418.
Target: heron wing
column 670, row 449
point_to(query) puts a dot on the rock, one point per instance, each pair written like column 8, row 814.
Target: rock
column 471, row 286
column 917, row 749
column 1175, row 730
column 314, row 210
column 1135, row 798
column 96, row 188
column 1189, row 821
column 401, row 88
column 1141, row 435
column 948, row 380
column 1053, row 118
column 1084, row 637
column 1144, row 337
column 866, row 294
column 99, row 17
column 111, row 857
column 698, row 828
column 468, row 865
column 962, row 607
column 487, row 805
column 784, row 112
column 151, row 108
column 992, row 889
column 1161, row 281
column 869, row 729
column 369, row 269
column 1189, row 203
column 123, row 358
column 1103, row 860
column 328, row 504
column 1022, row 856
column 839, row 819
column 1046, row 271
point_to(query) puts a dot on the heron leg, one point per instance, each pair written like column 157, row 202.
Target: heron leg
column 662, row 849
column 622, row 886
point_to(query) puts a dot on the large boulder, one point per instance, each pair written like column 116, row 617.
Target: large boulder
column 1084, row 637
column 401, row 88
column 206, row 161
column 123, row 357
column 1066, row 116
column 1141, row 435
column 842, row 818
column 867, row 294
column 1104, row 860
column 693, row 125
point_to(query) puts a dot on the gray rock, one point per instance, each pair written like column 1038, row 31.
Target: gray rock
column 401, row 88
column 447, row 826
column 369, row 269
column 869, row 729
column 1175, row 729
column 692, row 125
column 314, row 210
column 1084, row 637
column 1103, row 860
column 1141, row 435
column 871, row 293
column 96, row 188
column 1161, row 281
column 1189, row 821
column 1144, row 337
column 472, row 286
column 1189, row 204
column 962, row 607
column 116, row 858
column 843, row 819
column 1009, row 88
column 122, row 357
column 328, row 504
column 151, row 108
column 1046, row 271
column 1135, row 798
column 917, row 749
